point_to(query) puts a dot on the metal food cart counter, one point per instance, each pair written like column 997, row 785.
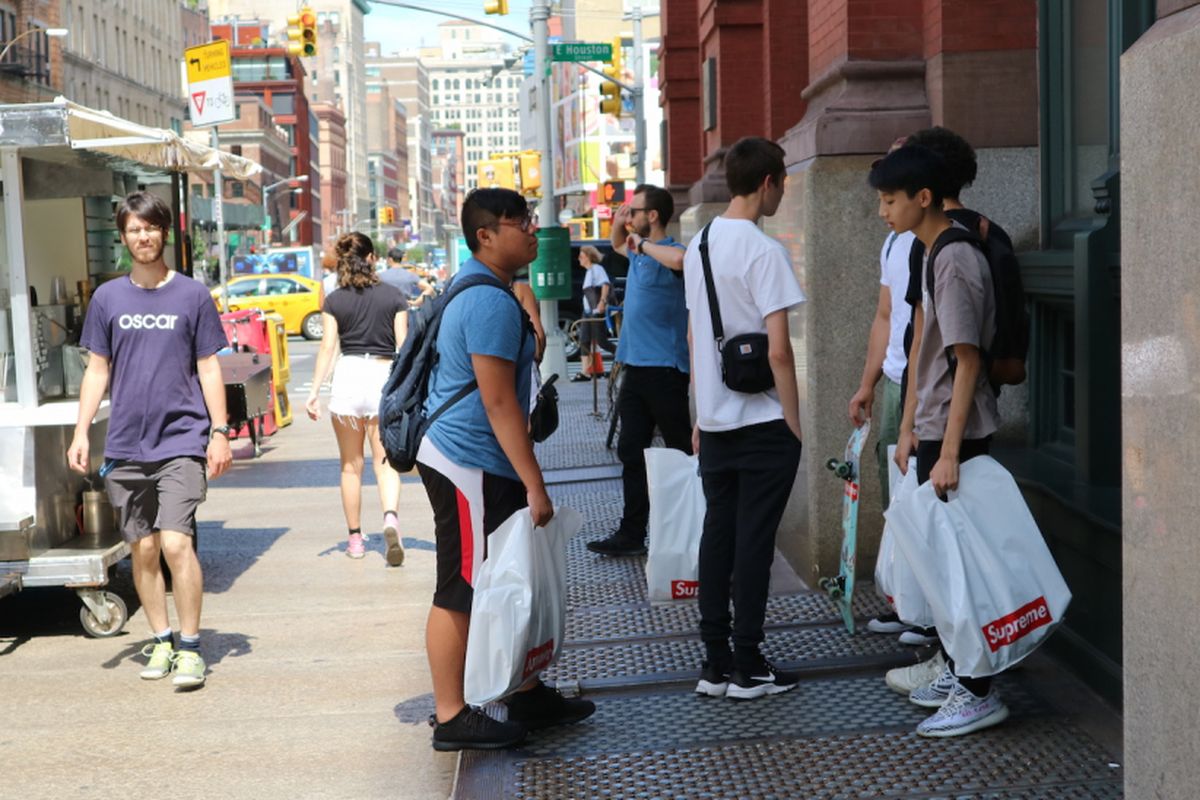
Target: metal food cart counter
column 62, row 169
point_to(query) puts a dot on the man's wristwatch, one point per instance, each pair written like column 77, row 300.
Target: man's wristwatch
column 221, row 429
column 641, row 247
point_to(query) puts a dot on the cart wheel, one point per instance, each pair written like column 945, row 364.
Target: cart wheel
column 118, row 614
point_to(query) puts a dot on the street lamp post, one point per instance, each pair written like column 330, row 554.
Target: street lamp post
column 55, row 32
column 266, row 226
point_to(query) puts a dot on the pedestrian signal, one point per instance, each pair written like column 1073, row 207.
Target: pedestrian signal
column 614, row 192
column 496, row 172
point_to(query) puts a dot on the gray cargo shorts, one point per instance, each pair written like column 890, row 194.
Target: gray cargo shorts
column 158, row 495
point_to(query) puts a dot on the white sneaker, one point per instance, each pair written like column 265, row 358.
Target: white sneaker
column 964, row 713
column 919, row 637
column 937, row 691
column 887, row 623
column 903, row 680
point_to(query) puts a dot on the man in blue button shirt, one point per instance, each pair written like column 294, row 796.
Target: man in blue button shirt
column 654, row 353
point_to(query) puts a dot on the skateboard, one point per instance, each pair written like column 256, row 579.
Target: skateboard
column 841, row 587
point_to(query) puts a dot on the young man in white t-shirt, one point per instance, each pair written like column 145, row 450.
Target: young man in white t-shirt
column 749, row 444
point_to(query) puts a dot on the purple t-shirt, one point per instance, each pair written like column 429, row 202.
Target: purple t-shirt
column 153, row 338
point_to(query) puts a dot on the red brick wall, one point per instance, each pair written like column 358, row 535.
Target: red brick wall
column 869, row 30
column 732, row 32
column 679, row 87
column 961, row 26
column 785, row 64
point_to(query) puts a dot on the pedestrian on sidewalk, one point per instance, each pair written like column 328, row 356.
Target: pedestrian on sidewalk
column 749, row 442
column 653, row 352
column 414, row 288
column 368, row 320
column 153, row 337
column 592, row 333
column 477, row 464
column 950, row 410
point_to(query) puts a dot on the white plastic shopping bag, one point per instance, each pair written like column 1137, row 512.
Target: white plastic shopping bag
column 994, row 589
column 894, row 578
column 518, row 614
column 677, row 509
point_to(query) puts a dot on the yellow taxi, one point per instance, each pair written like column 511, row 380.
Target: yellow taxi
column 295, row 298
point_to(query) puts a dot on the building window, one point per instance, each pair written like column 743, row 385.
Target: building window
column 237, row 189
column 282, row 104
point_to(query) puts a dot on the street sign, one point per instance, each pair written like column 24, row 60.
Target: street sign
column 583, row 51
column 210, row 83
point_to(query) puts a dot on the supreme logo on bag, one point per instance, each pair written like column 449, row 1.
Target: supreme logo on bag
column 682, row 590
column 538, row 658
column 1022, row 622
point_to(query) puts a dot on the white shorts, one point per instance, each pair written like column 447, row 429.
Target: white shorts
column 357, row 385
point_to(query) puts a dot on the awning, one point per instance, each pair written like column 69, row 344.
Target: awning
column 65, row 123
column 88, row 129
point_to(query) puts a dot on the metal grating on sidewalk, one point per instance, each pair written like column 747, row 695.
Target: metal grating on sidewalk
column 1030, row 758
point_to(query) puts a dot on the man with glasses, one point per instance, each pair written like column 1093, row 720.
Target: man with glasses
column 155, row 334
column 653, row 351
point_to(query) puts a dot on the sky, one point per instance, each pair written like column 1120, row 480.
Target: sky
column 402, row 28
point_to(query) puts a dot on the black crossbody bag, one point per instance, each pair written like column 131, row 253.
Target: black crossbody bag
column 744, row 364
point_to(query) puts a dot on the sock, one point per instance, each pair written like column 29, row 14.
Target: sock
column 163, row 636
column 189, row 643
column 390, row 517
column 356, row 530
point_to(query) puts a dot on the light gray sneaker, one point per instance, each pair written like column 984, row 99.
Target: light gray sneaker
column 902, row 680
column 964, row 713
column 936, row 692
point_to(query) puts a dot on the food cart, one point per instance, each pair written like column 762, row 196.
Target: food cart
column 63, row 167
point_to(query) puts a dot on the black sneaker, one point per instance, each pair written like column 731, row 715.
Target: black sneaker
column 714, row 679
column 619, row 544
column 471, row 729
column 764, row 679
column 544, row 707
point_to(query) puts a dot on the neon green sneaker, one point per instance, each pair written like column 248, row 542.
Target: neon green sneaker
column 189, row 669
column 161, row 654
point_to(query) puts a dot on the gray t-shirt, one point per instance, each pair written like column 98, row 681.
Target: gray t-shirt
column 963, row 311
column 403, row 280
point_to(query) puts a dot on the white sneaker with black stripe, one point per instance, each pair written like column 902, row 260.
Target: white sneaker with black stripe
column 714, row 680
column 761, row 681
column 936, row 692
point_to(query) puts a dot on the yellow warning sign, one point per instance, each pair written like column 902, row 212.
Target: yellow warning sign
column 208, row 61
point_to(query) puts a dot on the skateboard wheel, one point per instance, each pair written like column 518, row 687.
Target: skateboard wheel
column 832, row 464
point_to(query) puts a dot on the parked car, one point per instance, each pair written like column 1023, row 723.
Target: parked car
column 295, row 298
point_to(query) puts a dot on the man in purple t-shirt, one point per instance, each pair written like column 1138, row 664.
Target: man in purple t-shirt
column 156, row 334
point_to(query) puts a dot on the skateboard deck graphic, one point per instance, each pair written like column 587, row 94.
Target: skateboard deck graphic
column 841, row 587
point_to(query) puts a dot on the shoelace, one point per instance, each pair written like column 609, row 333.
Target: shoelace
column 148, row 650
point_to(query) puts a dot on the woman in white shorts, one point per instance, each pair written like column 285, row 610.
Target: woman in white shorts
column 368, row 320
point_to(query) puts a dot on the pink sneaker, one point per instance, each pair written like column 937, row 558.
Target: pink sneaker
column 354, row 548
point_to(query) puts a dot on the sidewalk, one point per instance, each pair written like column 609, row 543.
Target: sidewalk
column 841, row 734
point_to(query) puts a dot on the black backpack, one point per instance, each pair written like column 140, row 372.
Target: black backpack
column 402, row 418
column 1005, row 359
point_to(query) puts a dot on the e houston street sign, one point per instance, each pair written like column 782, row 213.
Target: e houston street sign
column 583, row 51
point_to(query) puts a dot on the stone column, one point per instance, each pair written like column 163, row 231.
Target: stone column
column 1160, row 350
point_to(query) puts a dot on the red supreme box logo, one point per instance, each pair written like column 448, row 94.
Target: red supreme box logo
column 682, row 590
column 1022, row 622
column 538, row 658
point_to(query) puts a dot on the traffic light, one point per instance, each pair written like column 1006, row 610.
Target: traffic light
column 387, row 215
column 495, row 7
column 530, row 162
column 302, row 33
column 496, row 171
column 610, row 92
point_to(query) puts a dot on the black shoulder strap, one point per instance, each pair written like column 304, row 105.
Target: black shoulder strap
column 713, row 308
column 457, row 287
column 949, row 236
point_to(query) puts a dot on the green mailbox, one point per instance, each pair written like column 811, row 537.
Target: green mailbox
column 550, row 273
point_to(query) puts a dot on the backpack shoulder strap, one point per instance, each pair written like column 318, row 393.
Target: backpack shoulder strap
column 949, row 236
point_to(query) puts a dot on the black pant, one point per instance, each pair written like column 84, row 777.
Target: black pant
column 748, row 475
column 928, row 454
column 650, row 396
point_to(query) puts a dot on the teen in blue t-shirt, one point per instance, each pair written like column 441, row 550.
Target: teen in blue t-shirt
column 477, row 464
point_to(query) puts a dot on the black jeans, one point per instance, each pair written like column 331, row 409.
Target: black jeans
column 928, row 454
column 748, row 475
column 650, row 396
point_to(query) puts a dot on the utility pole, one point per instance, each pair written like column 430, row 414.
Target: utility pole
column 639, row 94
column 554, row 361
column 219, row 218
